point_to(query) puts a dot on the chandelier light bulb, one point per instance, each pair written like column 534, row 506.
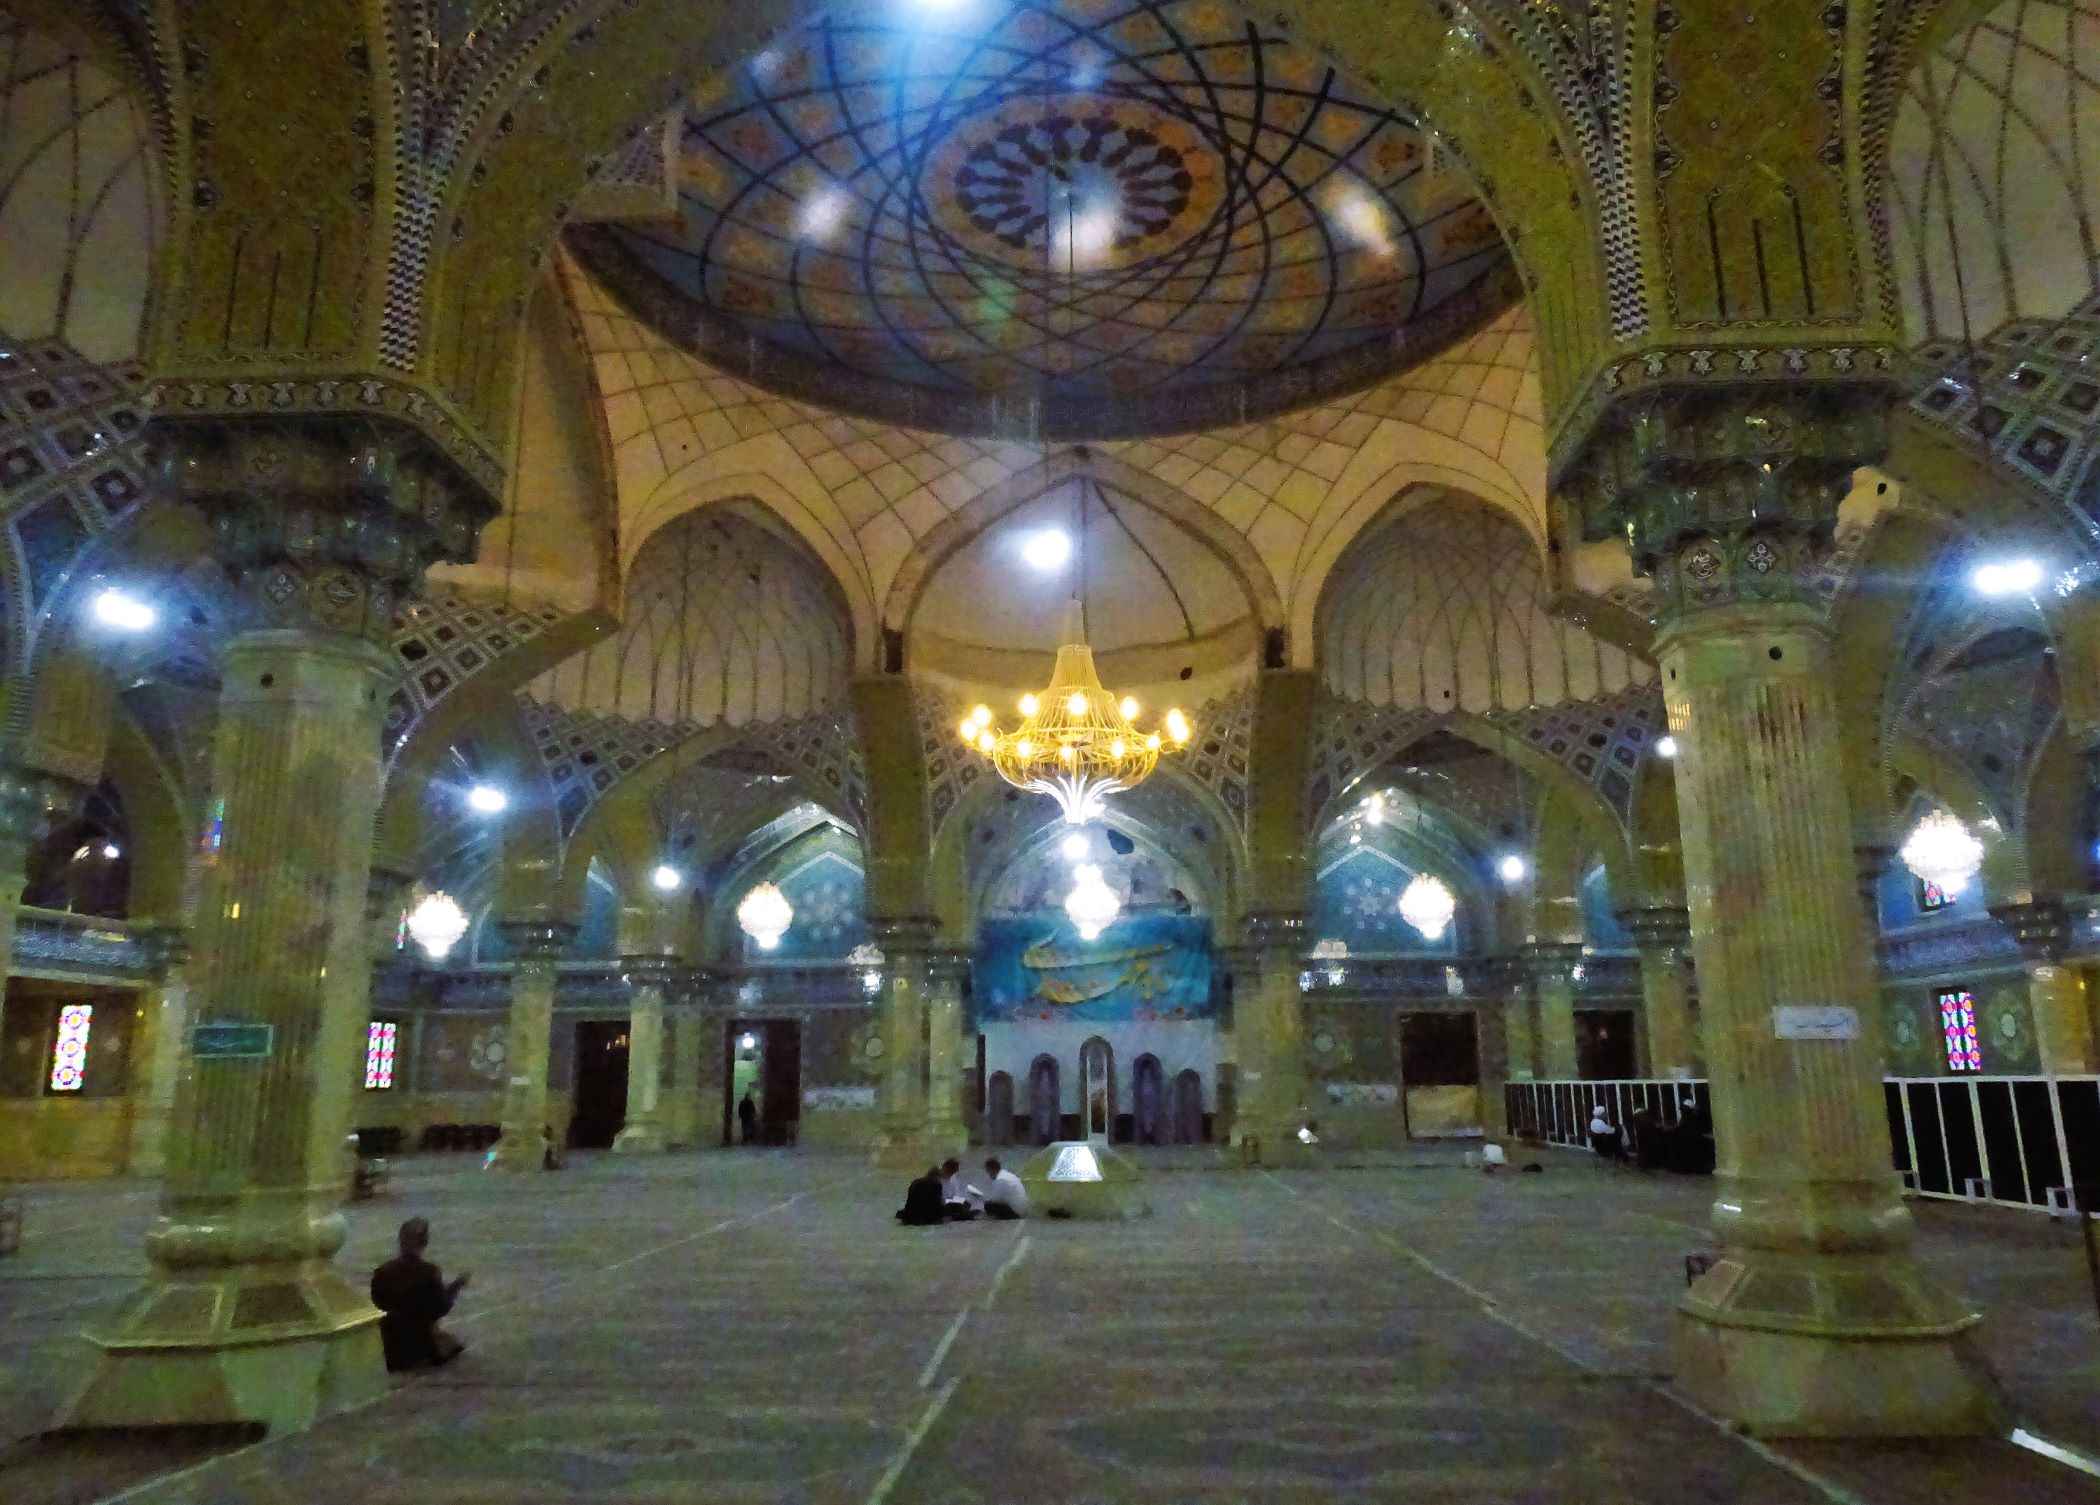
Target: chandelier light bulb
column 764, row 914
column 1428, row 905
column 436, row 924
column 1030, row 705
column 1129, row 707
column 1077, row 704
column 1941, row 851
column 969, row 728
column 1177, row 725
column 2009, row 577
column 1512, row 868
column 1092, row 905
column 1666, row 746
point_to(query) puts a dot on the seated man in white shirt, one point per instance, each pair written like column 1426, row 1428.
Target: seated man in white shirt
column 955, row 1196
column 1005, row 1198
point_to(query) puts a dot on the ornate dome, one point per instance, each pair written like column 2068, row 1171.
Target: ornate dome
column 1075, row 217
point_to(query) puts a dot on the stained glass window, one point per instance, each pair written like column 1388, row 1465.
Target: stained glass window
column 379, row 1054
column 1958, row 1024
column 69, row 1049
column 1931, row 896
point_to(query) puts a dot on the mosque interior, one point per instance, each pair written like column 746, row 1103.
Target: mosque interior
column 614, row 601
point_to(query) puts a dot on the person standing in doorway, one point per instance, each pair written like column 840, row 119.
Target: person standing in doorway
column 747, row 1117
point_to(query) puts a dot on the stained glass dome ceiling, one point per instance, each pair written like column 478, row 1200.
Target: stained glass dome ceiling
column 1081, row 218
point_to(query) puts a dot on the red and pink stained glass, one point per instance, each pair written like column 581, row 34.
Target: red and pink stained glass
column 69, row 1049
column 379, row 1054
column 1958, row 1025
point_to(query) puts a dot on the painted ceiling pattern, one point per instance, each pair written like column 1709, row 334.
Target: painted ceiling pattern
column 1994, row 171
column 445, row 643
column 1447, row 609
column 1071, row 201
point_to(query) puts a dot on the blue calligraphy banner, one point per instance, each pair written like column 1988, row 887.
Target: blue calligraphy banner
column 1141, row 967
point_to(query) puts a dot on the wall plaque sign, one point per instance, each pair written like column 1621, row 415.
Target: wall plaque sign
column 1815, row 1021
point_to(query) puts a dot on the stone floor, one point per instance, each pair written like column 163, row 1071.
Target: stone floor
column 752, row 1326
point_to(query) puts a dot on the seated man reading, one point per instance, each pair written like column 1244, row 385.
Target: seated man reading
column 955, row 1197
column 1005, row 1197
column 412, row 1294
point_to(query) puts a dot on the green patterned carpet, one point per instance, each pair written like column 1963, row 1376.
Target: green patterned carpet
column 752, row 1326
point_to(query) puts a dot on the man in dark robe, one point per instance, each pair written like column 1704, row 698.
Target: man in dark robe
column 922, row 1201
column 747, row 1117
column 412, row 1294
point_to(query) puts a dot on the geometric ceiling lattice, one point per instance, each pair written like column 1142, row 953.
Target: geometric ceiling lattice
column 1095, row 207
column 1352, row 739
column 1603, row 742
column 1989, row 711
column 443, row 642
column 822, row 747
column 2030, row 396
column 584, row 754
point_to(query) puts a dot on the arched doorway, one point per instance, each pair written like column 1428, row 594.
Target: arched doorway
column 1188, row 1108
column 1097, row 1088
column 1043, row 1105
column 1148, row 1108
column 999, row 1109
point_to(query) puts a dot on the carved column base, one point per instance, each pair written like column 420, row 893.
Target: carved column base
column 1828, row 1345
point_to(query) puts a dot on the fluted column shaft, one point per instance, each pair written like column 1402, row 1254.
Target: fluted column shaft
column 683, row 1113
column 157, row 1061
column 1552, row 967
column 1268, row 1036
column 945, row 1120
column 1664, row 937
column 644, row 1128
column 903, row 1091
column 1519, row 1032
column 527, row 1042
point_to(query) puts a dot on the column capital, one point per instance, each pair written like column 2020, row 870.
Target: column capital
column 651, row 969
column 2042, row 927
column 1728, row 493
column 913, row 934
column 1660, row 928
column 168, row 944
column 536, row 940
column 323, row 520
column 1281, row 930
column 1551, row 961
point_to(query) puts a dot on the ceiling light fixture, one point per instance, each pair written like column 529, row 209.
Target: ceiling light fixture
column 1092, row 905
column 666, row 877
column 2007, row 577
column 1512, row 868
column 1047, row 549
column 1666, row 746
column 1941, row 851
column 436, row 924
column 123, row 611
column 1428, row 905
column 822, row 213
column 487, row 799
column 1074, row 846
column 765, row 914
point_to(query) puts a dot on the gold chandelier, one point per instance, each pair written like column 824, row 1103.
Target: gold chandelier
column 1076, row 742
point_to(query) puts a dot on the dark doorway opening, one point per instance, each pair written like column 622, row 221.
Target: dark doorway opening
column 600, row 1084
column 1043, row 1103
column 1189, row 1127
column 999, row 1109
column 1604, row 1045
column 1439, row 1050
column 1148, row 1109
column 763, row 1062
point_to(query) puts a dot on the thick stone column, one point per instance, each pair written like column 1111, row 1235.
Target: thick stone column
column 684, row 1121
column 245, row 1317
column 536, row 945
column 1552, row 967
column 1268, row 1038
column 1815, row 1319
column 158, row 1061
column 645, row 1130
column 945, row 1063
column 1519, row 1026
column 905, row 1133
column 2057, row 990
column 1664, row 935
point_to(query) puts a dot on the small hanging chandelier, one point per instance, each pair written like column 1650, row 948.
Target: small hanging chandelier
column 1428, row 905
column 436, row 924
column 1092, row 905
column 1941, row 851
column 764, row 914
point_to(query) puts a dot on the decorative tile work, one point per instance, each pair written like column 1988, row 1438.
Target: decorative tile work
column 443, row 643
column 583, row 755
column 1991, row 718
column 952, row 770
column 1352, row 740
column 70, row 468
column 821, row 746
column 2030, row 399
column 1601, row 741
column 1221, row 752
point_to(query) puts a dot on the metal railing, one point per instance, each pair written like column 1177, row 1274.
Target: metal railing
column 2016, row 1141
